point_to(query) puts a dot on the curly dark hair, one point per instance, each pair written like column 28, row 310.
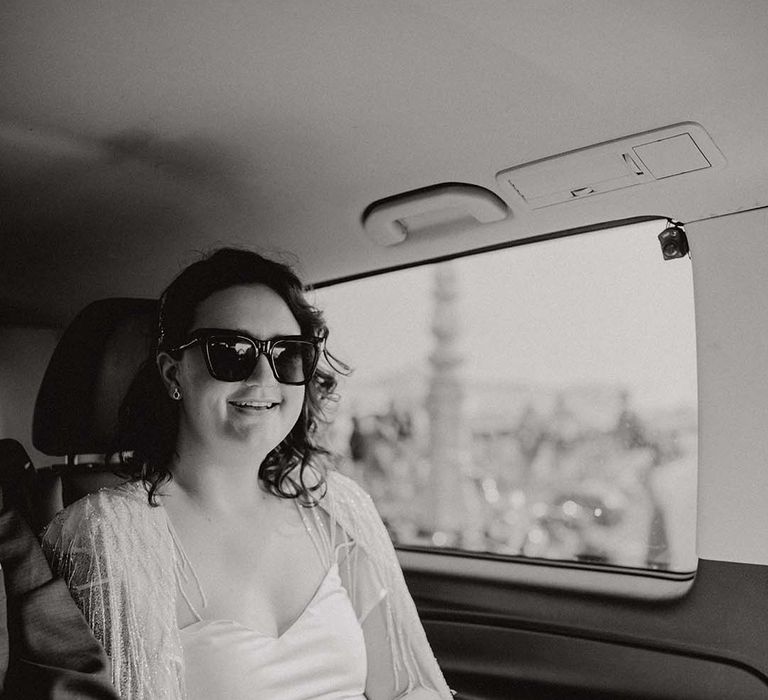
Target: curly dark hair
column 149, row 418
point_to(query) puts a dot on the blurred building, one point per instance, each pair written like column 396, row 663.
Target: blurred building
column 567, row 472
column 446, row 512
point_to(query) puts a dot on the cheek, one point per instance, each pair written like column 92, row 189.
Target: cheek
column 202, row 393
column 294, row 401
column 203, row 406
column 192, row 373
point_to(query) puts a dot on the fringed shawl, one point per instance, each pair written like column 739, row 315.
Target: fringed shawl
column 122, row 567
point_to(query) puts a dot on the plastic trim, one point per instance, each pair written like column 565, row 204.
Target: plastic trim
column 591, row 579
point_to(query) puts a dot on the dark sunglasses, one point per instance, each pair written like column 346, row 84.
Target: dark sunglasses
column 231, row 356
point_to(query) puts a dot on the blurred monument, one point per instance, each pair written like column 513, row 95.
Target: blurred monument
column 449, row 433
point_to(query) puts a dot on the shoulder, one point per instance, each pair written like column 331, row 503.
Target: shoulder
column 122, row 508
column 113, row 530
column 351, row 507
column 342, row 487
column 128, row 499
column 346, row 496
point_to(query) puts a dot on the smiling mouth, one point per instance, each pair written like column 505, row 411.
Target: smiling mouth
column 254, row 405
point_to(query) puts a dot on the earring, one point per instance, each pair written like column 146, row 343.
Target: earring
column 176, row 394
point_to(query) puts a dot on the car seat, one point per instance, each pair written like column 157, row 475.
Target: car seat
column 18, row 482
column 76, row 411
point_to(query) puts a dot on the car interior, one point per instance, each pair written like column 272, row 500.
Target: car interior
column 482, row 196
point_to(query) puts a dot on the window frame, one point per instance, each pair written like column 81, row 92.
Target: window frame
column 595, row 579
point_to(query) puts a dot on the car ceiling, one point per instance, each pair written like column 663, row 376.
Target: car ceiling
column 134, row 135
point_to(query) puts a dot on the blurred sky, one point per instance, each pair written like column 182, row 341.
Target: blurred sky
column 602, row 307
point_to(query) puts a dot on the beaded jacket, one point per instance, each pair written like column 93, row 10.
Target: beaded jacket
column 124, row 569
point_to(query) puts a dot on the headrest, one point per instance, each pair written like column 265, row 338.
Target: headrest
column 88, row 375
column 13, row 460
column 22, row 489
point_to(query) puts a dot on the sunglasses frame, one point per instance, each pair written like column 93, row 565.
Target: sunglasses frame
column 262, row 347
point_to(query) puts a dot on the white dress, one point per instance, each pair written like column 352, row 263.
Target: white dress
column 124, row 568
column 321, row 656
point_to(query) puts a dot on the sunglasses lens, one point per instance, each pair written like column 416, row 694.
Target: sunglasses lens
column 232, row 359
column 294, row 360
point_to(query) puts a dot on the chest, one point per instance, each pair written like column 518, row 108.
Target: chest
column 261, row 574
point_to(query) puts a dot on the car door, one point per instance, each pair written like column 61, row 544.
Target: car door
column 565, row 604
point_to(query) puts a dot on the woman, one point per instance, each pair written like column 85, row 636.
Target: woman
column 258, row 573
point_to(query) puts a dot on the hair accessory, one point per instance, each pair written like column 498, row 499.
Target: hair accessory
column 176, row 394
column 161, row 321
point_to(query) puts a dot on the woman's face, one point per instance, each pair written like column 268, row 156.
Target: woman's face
column 256, row 413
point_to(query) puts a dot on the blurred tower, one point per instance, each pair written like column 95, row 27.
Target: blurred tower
column 449, row 432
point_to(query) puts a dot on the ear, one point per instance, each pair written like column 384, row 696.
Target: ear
column 169, row 369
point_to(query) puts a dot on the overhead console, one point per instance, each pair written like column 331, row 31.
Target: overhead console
column 612, row 165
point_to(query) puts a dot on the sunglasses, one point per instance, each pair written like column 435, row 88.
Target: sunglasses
column 231, row 356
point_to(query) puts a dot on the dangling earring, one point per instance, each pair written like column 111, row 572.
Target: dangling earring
column 176, row 394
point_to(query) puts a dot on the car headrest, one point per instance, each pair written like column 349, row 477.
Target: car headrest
column 14, row 461
column 35, row 497
column 88, row 375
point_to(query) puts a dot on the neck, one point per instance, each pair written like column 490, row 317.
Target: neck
column 220, row 480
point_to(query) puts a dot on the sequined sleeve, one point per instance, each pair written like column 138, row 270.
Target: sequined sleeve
column 115, row 554
column 373, row 574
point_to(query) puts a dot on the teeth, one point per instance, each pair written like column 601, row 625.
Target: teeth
column 253, row 404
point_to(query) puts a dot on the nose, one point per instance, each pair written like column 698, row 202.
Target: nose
column 262, row 373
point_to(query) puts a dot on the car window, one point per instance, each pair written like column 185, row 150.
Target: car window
column 537, row 400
